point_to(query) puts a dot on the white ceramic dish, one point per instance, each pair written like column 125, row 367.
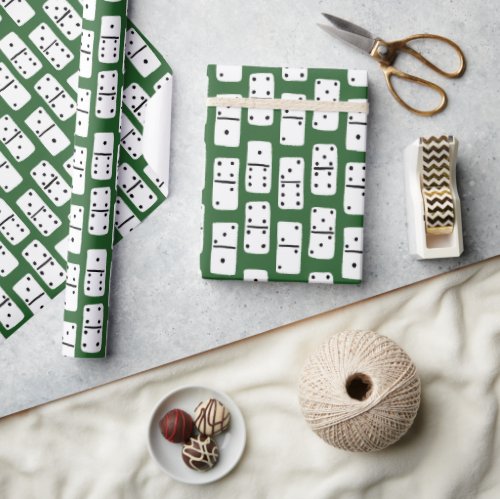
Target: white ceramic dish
column 168, row 455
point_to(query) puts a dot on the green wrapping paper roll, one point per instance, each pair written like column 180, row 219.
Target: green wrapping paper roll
column 40, row 57
column 93, row 195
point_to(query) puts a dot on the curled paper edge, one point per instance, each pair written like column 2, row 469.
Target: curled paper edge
column 157, row 130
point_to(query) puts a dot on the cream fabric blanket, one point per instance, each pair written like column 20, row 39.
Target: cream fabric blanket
column 93, row 445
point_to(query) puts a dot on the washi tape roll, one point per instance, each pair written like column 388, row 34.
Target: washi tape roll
column 437, row 193
column 93, row 196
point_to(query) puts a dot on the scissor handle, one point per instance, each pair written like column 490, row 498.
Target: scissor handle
column 386, row 52
column 402, row 46
column 391, row 72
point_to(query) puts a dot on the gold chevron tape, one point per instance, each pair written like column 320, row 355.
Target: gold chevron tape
column 435, row 183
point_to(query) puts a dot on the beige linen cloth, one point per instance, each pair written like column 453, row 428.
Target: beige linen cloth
column 93, row 445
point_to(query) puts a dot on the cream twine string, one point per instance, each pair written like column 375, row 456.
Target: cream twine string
column 289, row 104
column 361, row 425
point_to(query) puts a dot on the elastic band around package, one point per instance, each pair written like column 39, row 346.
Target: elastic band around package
column 290, row 105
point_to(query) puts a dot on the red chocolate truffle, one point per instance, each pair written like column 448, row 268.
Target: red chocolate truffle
column 176, row 426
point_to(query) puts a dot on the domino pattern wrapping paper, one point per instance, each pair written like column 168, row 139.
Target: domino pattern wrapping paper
column 93, row 197
column 52, row 137
column 284, row 189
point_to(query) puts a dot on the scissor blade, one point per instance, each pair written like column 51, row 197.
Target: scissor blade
column 349, row 33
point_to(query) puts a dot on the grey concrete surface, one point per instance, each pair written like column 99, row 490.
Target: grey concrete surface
column 161, row 309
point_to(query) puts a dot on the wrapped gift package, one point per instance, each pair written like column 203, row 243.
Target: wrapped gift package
column 285, row 174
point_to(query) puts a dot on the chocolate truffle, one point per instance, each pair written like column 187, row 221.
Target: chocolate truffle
column 200, row 453
column 176, row 426
column 211, row 417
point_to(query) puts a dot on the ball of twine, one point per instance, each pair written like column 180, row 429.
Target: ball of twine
column 359, row 391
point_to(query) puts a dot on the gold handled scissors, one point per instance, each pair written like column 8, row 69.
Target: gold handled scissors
column 386, row 52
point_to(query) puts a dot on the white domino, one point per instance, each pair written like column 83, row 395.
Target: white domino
column 227, row 124
column 39, row 214
column 49, row 134
column 258, row 176
column 75, row 228
column 292, row 123
column 21, row 57
column 44, row 264
column 261, row 86
column 125, row 220
column 324, row 169
column 225, row 183
column 49, row 44
column 69, row 339
column 82, row 112
column 356, row 130
column 109, row 40
column 19, row 146
column 291, row 183
column 157, row 180
column 89, row 7
column 289, row 250
column 322, row 233
column 320, row 278
column 136, row 99
column 11, row 226
column 130, row 138
column 357, row 77
column 32, row 294
column 78, row 169
column 102, row 156
column 10, row 314
column 329, row 91
column 72, row 286
column 12, row 92
column 100, row 201
column 224, row 248
column 56, row 98
column 140, row 54
column 49, row 180
column 86, row 53
column 9, row 176
column 164, row 81
column 95, row 272
column 64, row 17
column 68, row 165
column 352, row 258
column 228, row 73
column 8, row 262
column 257, row 227
column 354, row 193
column 19, row 10
column 294, row 74
column 93, row 317
column 255, row 275
column 139, row 193
column 107, row 84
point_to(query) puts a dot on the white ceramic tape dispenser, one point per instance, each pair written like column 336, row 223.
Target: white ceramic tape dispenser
column 432, row 202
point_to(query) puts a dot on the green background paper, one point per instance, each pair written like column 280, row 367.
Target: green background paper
column 15, row 308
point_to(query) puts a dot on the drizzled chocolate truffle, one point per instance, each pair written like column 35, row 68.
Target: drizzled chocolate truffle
column 211, row 417
column 200, row 453
column 176, row 426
